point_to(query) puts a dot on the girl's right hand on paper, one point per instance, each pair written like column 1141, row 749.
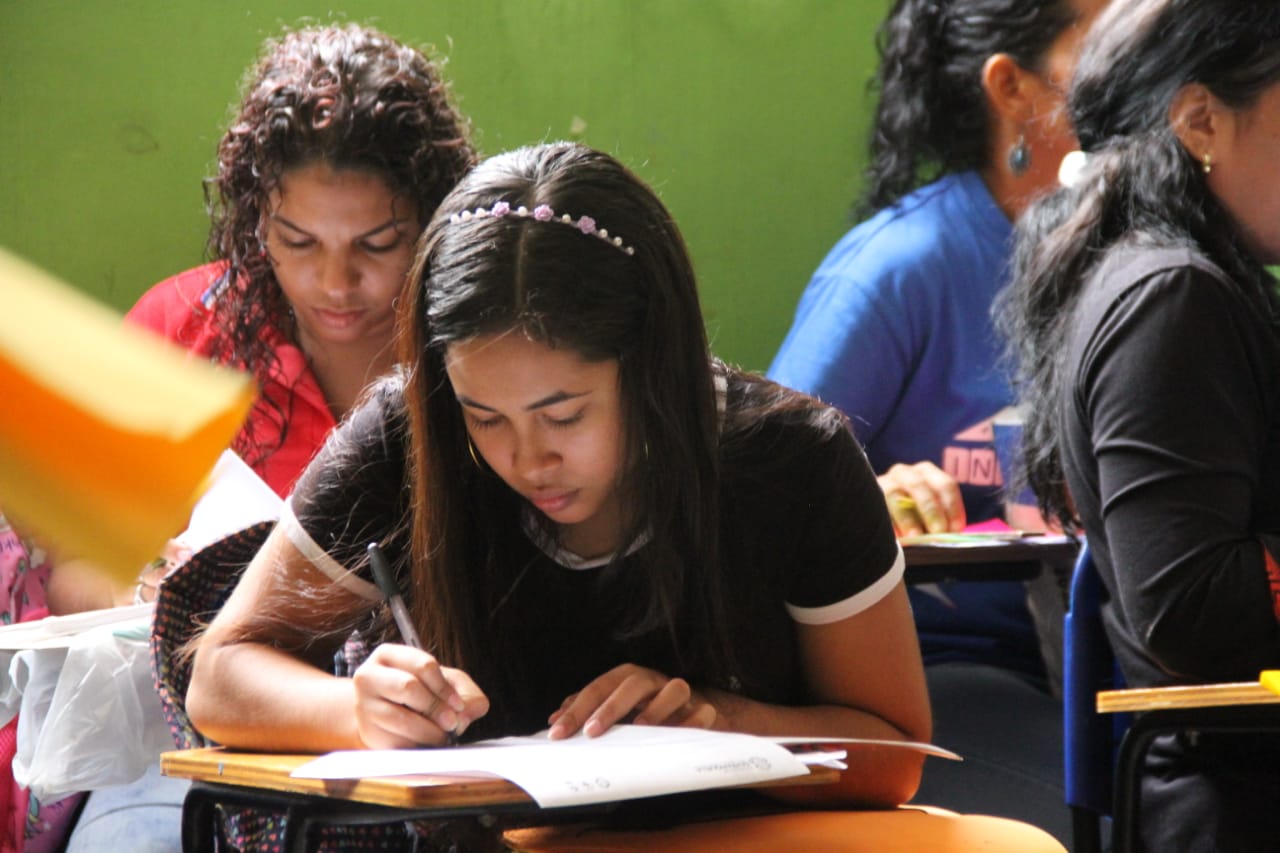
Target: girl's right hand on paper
column 405, row 698
column 922, row 498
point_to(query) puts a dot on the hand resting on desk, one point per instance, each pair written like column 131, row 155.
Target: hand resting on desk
column 635, row 694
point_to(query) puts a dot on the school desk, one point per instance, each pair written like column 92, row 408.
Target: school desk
column 957, row 558
column 1245, row 706
column 243, row 779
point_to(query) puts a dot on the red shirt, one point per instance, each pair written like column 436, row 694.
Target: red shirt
column 180, row 309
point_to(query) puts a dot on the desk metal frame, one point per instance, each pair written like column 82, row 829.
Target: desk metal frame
column 1236, row 708
column 1146, row 727
column 304, row 813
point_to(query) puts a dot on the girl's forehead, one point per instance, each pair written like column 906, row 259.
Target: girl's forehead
column 513, row 366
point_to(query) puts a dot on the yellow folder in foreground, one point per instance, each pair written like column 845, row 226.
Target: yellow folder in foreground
column 107, row 432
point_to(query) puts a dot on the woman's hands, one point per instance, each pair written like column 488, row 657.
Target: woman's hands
column 405, row 698
column 630, row 693
column 922, row 498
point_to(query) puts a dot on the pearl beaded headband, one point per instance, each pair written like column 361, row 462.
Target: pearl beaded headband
column 544, row 213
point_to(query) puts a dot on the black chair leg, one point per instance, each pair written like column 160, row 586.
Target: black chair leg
column 1086, row 834
column 199, row 821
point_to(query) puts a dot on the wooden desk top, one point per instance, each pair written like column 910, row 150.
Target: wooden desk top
column 1185, row 696
column 270, row 771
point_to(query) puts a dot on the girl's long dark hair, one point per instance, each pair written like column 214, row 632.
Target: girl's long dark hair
column 1140, row 186
column 348, row 96
column 932, row 117
column 492, row 275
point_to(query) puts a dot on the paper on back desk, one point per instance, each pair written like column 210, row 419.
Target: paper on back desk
column 236, row 498
column 108, row 432
column 624, row 763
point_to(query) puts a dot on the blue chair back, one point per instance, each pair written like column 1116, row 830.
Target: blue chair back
column 1090, row 739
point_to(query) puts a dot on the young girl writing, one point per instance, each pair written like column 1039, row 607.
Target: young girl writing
column 593, row 520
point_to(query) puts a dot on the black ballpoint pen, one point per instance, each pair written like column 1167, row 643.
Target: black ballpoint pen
column 386, row 583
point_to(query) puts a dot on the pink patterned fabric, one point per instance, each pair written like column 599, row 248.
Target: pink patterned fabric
column 24, row 575
column 26, row 826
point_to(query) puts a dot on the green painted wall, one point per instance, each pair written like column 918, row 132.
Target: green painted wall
column 748, row 116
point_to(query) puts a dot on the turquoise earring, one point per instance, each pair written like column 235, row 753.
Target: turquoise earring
column 1019, row 156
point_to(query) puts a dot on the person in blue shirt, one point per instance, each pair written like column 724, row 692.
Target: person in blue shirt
column 895, row 329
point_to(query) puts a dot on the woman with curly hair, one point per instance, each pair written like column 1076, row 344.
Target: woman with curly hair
column 344, row 143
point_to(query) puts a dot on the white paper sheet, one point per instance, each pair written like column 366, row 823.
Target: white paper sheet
column 862, row 742
column 61, row 631
column 625, row 763
column 236, row 498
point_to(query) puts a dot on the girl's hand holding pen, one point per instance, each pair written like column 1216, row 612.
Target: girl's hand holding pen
column 405, row 698
column 450, row 702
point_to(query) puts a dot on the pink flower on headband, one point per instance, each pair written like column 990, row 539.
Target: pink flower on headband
column 543, row 213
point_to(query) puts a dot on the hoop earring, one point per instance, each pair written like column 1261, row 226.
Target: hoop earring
column 1207, row 163
column 475, row 457
column 1019, row 156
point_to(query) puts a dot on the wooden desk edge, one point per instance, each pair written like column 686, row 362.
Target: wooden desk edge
column 270, row 771
column 1185, row 696
column 1030, row 549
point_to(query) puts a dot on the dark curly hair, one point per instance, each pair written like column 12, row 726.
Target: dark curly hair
column 1141, row 185
column 931, row 117
column 348, row 96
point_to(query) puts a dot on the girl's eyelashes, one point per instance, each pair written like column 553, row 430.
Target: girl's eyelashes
column 566, row 422
column 294, row 244
column 557, row 423
column 380, row 248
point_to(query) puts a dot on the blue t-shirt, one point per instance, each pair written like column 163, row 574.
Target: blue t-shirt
column 895, row 329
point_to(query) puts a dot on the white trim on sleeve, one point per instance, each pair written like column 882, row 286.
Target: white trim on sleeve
column 856, row 603
column 319, row 558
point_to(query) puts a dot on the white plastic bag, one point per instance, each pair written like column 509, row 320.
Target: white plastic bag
column 101, row 726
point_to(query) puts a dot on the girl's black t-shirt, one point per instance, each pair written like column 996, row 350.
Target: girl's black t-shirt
column 805, row 536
